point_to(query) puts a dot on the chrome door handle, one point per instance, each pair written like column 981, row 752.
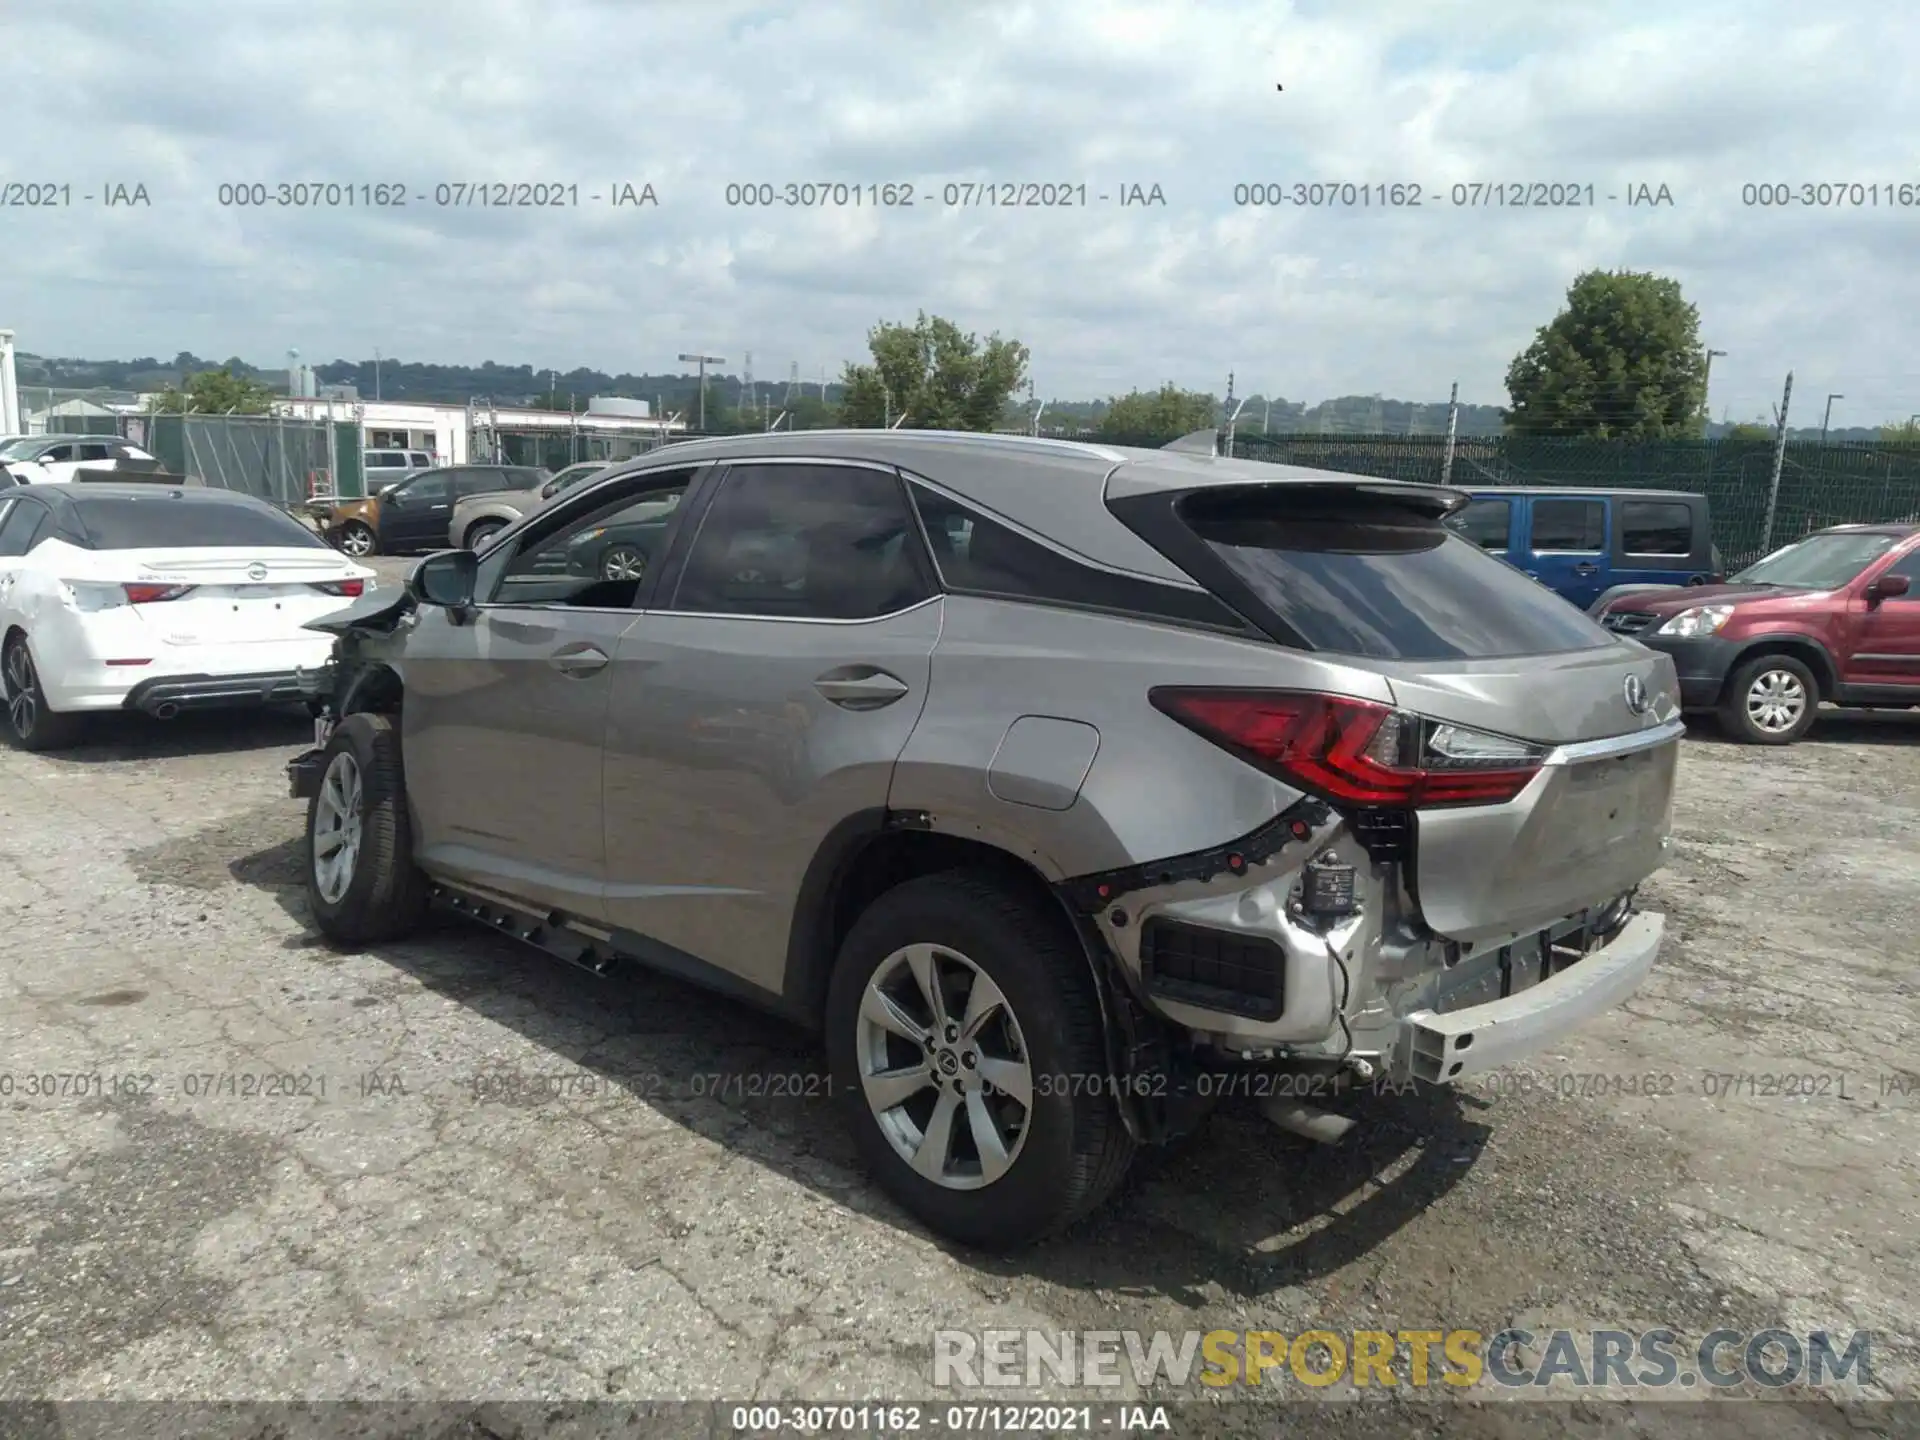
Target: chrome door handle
column 861, row 687
column 579, row 662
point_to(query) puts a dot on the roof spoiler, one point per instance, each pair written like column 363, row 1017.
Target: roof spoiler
column 1199, row 442
column 102, row 475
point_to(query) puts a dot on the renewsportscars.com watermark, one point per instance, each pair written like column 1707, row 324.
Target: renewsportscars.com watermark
column 1514, row 1360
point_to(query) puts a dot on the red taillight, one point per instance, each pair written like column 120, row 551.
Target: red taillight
column 1352, row 752
column 352, row 589
column 153, row 594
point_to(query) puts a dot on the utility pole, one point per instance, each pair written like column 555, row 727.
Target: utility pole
column 1779, row 460
column 1229, row 404
column 1453, row 430
column 703, row 361
column 376, row 373
column 1233, row 419
column 9, row 387
column 1706, row 385
column 1826, row 418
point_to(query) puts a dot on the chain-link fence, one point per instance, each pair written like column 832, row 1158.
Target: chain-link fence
column 287, row 462
column 1836, row 483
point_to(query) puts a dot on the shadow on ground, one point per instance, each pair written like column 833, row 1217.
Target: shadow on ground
column 1298, row 1211
column 115, row 739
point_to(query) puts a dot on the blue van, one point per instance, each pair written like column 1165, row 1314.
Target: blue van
column 1582, row 543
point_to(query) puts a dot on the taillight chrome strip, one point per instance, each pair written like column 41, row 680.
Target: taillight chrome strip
column 1613, row 745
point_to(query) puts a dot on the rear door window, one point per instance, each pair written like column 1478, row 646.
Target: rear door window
column 978, row 555
column 1360, row 576
column 1656, row 527
column 823, row 542
column 1564, row 526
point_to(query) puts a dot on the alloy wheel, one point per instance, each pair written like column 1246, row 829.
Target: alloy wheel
column 23, row 711
column 1776, row 701
column 356, row 540
column 337, row 828
column 944, row 1067
column 623, row 562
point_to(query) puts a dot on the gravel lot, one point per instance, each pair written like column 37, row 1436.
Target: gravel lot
column 635, row 1235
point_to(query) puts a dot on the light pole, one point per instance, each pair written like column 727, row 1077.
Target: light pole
column 1828, row 416
column 703, row 361
column 1233, row 419
column 1706, row 386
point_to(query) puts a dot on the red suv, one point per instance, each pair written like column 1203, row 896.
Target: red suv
column 1832, row 617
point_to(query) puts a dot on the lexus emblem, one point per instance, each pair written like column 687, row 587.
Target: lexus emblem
column 1636, row 692
column 257, row 571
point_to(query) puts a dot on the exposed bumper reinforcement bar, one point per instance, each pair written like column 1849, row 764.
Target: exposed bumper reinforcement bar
column 166, row 696
column 1483, row 1037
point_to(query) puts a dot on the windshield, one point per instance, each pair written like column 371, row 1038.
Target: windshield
column 1819, row 562
column 22, row 449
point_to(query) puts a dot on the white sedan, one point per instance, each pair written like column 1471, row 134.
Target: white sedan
column 158, row 599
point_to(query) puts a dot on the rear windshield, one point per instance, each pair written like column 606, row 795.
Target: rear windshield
column 150, row 522
column 1372, row 579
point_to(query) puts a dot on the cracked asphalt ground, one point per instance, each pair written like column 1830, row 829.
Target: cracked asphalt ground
column 627, row 1210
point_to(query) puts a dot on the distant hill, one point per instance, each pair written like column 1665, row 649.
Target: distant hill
column 526, row 385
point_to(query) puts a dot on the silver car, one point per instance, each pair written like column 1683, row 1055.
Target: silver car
column 1065, row 789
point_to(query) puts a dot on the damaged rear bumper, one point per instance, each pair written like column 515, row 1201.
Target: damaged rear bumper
column 1447, row 1047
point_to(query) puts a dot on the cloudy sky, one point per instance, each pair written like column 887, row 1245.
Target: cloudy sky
column 1705, row 97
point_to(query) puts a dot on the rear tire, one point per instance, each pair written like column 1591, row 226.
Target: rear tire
column 1054, row 1159
column 1771, row 700
column 361, row 880
column 35, row 725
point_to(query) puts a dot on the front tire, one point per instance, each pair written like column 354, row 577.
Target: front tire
column 35, row 724
column 1771, row 700
column 362, row 883
column 357, row 539
column 965, row 1035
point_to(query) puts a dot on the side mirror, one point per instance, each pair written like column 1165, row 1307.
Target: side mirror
column 446, row 578
column 1888, row 587
column 549, row 490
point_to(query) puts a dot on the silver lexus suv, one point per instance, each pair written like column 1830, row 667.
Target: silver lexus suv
column 1063, row 788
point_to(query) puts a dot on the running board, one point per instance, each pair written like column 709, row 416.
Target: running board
column 584, row 946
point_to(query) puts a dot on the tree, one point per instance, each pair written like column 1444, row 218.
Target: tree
column 1906, row 433
column 1622, row 359
column 216, row 392
column 939, row 378
column 1166, row 411
column 1755, row 434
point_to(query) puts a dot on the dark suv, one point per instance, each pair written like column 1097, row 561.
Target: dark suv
column 1832, row 617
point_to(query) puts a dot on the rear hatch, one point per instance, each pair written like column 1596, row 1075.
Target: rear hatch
column 1493, row 676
